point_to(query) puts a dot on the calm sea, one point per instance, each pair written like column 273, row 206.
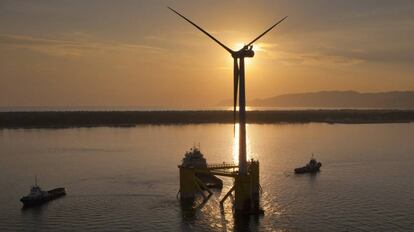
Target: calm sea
column 126, row 179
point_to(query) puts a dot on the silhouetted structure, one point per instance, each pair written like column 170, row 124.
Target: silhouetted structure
column 67, row 119
column 37, row 196
column 246, row 186
column 312, row 167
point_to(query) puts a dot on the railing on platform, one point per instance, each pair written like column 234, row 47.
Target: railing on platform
column 222, row 166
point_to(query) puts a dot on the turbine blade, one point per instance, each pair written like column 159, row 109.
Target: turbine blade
column 235, row 89
column 260, row 36
column 205, row 32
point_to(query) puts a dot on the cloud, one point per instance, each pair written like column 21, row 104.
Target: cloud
column 348, row 51
column 316, row 58
column 320, row 56
column 72, row 44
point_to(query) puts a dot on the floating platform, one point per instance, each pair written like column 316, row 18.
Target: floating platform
column 196, row 177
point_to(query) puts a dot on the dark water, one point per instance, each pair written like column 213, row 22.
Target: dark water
column 126, row 179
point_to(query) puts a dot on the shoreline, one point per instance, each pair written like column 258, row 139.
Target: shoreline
column 72, row 119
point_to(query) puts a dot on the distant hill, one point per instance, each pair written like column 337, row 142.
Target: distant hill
column 339, row 99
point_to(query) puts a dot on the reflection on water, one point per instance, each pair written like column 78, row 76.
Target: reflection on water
column 126, row 179
column 235, row 151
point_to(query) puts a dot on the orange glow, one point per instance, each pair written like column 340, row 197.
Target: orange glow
column 159, row 60
column 236, row 144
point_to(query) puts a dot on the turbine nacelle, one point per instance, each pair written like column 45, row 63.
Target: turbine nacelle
column 246, row 51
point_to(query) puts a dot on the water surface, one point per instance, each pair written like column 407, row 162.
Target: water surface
column 126, row 179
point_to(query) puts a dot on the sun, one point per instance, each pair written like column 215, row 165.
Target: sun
column 256, row 47
column 238, row 46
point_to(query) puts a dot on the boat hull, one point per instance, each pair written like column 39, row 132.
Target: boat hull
column 307, row 169
column 51, row 195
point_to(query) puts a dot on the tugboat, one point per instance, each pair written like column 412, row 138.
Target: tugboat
column 195, row 159
column 37, row 196
column 312, row 167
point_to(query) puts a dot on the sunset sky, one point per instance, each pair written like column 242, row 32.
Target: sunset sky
column 138, row 53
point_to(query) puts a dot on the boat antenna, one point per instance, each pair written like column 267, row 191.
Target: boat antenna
column 35, row 180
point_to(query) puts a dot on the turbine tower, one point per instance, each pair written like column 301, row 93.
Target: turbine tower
column 239, row 83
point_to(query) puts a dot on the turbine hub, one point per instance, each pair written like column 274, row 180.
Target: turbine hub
column 246, row 51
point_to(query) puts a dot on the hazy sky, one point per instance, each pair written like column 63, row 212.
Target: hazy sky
column 138, row 53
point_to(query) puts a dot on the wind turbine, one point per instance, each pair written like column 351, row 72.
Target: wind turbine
column 238, row 80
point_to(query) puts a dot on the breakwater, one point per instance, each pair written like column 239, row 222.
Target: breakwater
column 65, row 119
